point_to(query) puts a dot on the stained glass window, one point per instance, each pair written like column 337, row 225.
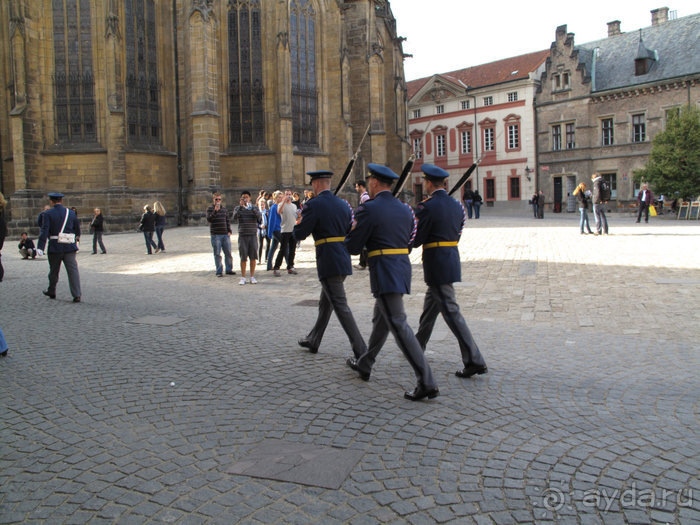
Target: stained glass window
column 142, row 86
column 245, row 73
column 74, row 81
column 303, row 60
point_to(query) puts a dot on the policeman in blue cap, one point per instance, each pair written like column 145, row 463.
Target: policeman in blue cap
column 440, row 223
column 387, row 226
column 56, row 222
column 328, row 219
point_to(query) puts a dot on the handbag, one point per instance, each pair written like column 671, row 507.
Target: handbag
column 65, row 238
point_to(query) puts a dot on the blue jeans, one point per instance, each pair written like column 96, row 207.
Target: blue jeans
column 219, row 242
column 159, row 234
column 584, row 220
column 601, row 221
column 477, row 205
column 276, row 236
column 148, row 237
column 469, row 208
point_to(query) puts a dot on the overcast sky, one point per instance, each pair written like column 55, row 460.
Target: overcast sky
column 446, row 35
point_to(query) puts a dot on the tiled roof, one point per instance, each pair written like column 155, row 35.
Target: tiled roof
column 514, row 68
column 676, row 44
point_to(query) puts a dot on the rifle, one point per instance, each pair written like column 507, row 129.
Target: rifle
column 348, row 168
column 408, row 166
column 464, row 178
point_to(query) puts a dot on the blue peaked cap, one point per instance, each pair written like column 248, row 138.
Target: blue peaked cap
column 56, row 195
column 320, row 174
column 433, row 171
column 383, row 172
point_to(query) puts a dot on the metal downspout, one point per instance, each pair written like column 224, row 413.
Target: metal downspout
column 178, row 130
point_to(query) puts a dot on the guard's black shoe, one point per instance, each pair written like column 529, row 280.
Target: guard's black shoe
column 421, row 392
column 307, row 344
column 50, row 295
column 472, row 370
column 352, row 363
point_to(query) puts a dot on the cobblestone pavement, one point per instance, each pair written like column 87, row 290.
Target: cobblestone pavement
column 134, row 405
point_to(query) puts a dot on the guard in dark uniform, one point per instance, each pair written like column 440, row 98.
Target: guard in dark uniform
column 329, row 218
column 440, row 223
column 60, row 220
column 386, row 226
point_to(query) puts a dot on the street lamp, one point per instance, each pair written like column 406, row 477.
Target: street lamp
column 527, row 173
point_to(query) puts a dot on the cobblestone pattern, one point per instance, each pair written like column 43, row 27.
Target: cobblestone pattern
column 589, row 413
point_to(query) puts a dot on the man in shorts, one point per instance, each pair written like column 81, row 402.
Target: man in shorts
column 248, row 216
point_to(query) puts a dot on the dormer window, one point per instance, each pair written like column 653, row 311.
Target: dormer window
column 645, row 58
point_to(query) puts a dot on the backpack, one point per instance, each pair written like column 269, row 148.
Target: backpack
column 604, row 191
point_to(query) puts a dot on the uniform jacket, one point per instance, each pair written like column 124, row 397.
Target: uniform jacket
column 440, row 218
column 323, row 217
column 51, row 225
column 384, row 222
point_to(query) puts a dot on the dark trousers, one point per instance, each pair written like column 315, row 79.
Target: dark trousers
column 70, row 263
column 288, row 250
column 363, row 257
column 441, row 299
column 97, row 238
column 333, row 299
column 390, row 316
column 262, row 237
column 643, row 209
column 159, row 235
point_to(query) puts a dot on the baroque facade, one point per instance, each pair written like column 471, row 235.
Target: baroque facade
column 601, row 103
column 483, row 112
column 121, row 103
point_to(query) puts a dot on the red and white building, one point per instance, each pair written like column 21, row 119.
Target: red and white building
column 481, row 112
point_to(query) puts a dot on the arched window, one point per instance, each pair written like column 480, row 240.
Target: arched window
column 302, row 33
column 74, row 81
column 142, row 86
column 245, row 73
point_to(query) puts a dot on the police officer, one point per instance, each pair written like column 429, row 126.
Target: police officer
column 328, row 219
column 386, row 226
column 60, row 220
column 440, row 223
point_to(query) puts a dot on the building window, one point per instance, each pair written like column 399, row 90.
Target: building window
column 440, row 145
column 465, row 142
column 611, row 179
column 570, row 136
column 639, row 128
column 672, row 113
column 513, row 136
column 74, row 82
column 464, row 104
column 560, row 81
column 512, row 96
column 418, row 148
column 245, row 73
column 514, row 188
column 302, row 46
column 490, row 189
column 416, row 113
column 440, row 109
column 565, row 81
column 488, row 139
column 556, row 137
column 556, row 82
column 142, row 86
column 488, row 101
column 607, row 132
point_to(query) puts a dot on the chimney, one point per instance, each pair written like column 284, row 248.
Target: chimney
column 613, row 28
column 659, row 16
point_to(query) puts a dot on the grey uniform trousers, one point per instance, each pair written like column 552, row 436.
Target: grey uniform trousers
column 70, row 262
column 333, row 299
column 441, row 299
column 390, row 316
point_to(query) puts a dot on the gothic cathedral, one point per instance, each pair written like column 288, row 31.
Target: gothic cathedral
column 120, row 103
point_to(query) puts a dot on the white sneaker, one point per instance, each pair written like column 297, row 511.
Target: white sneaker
column 253, row 280
column 242, row 281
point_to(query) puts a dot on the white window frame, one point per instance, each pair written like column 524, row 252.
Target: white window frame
column 416, row 113
column 513, row 96
column 439, row 109
column 488, row 101
column 513, row 136
column 639, row 135
column 489, row 142
column 440, row 145
column 464, row 104
column 465, row 141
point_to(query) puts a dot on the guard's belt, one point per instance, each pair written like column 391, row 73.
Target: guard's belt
column 329, row 239
column 388, row 251
column 53, row 237
column 440, row 244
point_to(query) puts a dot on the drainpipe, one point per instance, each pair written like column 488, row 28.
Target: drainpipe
column 178, row 130
column 475, row 134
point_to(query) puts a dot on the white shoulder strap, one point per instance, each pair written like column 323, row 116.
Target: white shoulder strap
column 65, row 221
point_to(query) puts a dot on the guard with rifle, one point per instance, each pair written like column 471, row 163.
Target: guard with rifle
column 387, row 226
column 440, row 222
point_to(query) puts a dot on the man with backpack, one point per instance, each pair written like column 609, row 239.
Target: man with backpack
column 601, row 196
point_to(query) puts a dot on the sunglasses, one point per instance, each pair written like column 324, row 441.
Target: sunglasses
column 217, row 199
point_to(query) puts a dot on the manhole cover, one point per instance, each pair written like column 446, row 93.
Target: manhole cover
column 301, row 463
